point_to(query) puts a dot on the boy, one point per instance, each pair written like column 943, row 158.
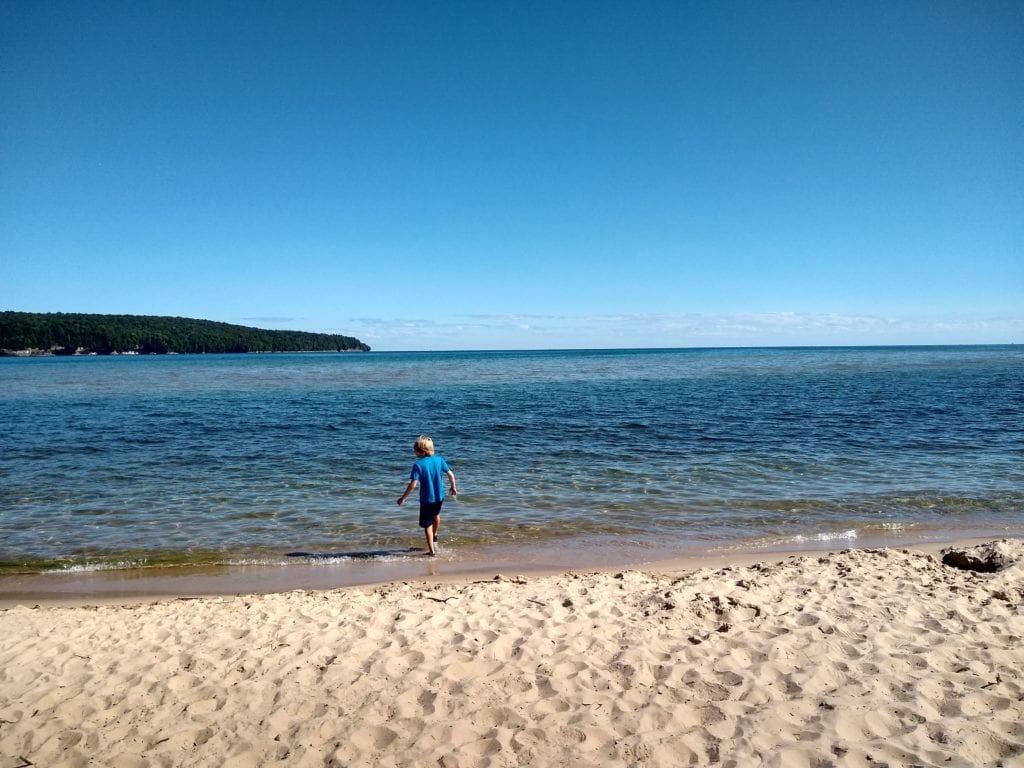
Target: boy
column 429, row 471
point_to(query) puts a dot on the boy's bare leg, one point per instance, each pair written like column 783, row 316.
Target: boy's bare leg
column 430, row 532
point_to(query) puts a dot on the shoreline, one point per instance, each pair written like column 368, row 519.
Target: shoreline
column 148, row 584
column 849, row 659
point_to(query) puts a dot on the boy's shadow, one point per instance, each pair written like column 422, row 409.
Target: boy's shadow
column 368, row 554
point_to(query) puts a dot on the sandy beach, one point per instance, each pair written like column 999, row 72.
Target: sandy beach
column 854, row 658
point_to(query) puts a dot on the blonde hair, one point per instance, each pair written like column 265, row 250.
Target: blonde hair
column 423, row 446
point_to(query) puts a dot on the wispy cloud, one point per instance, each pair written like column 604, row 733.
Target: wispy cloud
column 668, row 329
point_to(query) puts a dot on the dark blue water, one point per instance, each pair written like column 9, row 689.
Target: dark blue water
column 142, row 460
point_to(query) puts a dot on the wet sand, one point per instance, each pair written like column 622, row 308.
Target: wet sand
column 346, row 568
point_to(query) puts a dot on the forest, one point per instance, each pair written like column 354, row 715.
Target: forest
column 60, row 333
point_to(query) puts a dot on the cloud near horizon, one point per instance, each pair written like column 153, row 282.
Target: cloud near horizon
column 667, row 329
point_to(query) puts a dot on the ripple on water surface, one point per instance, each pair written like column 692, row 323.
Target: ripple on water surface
column 214, row 458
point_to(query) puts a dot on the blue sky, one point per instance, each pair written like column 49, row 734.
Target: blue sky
column 521, row 175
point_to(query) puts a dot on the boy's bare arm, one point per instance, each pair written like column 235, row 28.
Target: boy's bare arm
column 451, row 482
column 408, row 492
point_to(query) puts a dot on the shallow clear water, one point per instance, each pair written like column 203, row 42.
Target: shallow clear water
column 249, row 458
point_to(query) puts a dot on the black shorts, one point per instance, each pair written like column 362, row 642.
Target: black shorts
column 428, row 511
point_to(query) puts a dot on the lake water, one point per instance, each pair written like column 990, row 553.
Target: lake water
column 120, row 462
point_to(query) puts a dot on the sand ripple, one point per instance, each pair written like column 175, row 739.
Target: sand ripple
column 859, row 658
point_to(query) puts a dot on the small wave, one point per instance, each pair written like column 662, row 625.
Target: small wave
column 343, row 560
column 251, row 561
column 890, row 527
column 826, row 536
column 121, row 565
column 850, row 534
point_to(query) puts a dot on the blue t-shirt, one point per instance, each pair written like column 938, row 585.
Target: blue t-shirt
column 429, row 472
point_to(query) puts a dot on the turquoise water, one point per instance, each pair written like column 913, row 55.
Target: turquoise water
column 126, row 461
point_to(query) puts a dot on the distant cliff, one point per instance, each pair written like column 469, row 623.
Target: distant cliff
column 60, row 333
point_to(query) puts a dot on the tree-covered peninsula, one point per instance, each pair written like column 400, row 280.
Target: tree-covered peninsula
column 60, row 333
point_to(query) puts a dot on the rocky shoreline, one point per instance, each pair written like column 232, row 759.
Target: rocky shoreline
column 55, row 352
